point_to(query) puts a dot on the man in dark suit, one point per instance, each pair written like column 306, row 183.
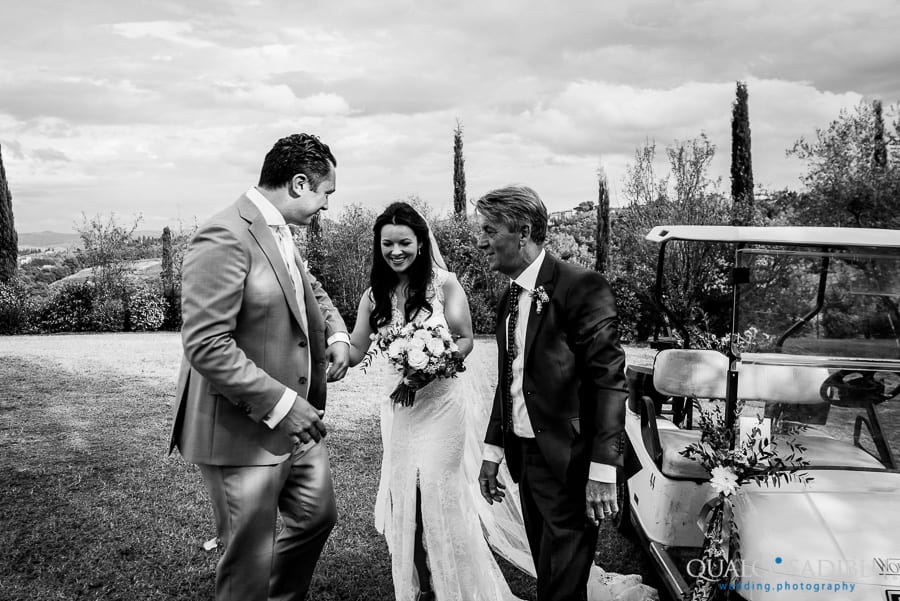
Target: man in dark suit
column 251, row 392
column 559, row 409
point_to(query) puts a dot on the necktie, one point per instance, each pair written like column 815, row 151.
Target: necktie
column 286, row 246
column 511, row 352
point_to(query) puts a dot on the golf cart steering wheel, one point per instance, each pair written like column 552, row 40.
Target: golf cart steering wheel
column 855, row 388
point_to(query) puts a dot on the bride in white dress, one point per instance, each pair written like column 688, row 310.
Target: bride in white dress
column 429, row 506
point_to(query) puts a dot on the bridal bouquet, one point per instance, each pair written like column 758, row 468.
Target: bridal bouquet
column 421, row 353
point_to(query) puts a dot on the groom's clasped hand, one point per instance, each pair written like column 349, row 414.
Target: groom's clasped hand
column 262, row 338
column 303, row 423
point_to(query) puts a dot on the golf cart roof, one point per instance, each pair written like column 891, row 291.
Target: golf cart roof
column 781, row 235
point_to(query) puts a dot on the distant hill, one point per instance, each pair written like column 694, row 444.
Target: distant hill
column 48, row 239
column 64, row 240
column 144, row 270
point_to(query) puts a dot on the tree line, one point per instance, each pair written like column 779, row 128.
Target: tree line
column 852, row 179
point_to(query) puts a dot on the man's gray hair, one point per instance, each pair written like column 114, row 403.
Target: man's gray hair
column 515, row 206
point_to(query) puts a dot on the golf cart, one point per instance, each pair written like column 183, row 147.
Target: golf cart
column 811, row 368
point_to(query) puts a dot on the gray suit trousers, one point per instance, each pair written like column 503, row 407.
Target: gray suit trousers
column 246, row 501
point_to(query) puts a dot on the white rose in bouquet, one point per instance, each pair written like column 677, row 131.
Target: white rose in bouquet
column 446, row 335
column 396, row 348
column 422, row 334
column 416, row 343
column 417, row 359
column 435, row 347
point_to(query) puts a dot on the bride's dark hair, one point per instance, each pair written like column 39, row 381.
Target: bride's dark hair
column 383, row 279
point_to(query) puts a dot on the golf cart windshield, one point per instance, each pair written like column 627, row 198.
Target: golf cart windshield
column 817, row 303
column 817, row 335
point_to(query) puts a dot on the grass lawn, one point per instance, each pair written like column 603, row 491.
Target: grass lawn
column 93, row 508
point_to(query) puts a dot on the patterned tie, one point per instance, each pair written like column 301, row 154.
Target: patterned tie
column 286, row 245
column 511, row 352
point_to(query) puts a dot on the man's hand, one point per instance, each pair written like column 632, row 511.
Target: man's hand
column 600, row 501
column 303, row 422
column 338, row 355
column 491, row 488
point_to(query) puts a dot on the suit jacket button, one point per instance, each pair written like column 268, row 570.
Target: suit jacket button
column 301, row 344
column 302, row 380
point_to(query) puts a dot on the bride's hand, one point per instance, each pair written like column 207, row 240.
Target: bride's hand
column 417, row 380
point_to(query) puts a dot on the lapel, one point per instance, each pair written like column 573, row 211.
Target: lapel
column 546, row 278
column 264, row 237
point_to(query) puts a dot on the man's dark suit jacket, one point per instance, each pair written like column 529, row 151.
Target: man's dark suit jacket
column 574, row 380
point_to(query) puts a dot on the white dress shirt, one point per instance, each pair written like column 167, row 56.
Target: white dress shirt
column 520, row 420
column 274, row 219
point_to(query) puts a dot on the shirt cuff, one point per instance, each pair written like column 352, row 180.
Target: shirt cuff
column 601, row 472
column 493, row 453
column 338, row 337
column 281, row 408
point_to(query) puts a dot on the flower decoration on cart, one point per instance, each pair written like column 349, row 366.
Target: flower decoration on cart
column 734, row 461
column 422, row 353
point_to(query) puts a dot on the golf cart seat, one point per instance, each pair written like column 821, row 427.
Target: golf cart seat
column 703, row 374
column 695, row 374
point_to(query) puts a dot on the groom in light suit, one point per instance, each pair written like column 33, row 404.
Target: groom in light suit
column 251, row 392
column 559, row 409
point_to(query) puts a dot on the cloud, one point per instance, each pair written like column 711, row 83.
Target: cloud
column 177, row 32
column 50, row 155
column 173, row 104
column 278, row 99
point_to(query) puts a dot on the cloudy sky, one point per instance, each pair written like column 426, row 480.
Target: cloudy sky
column 166, row 108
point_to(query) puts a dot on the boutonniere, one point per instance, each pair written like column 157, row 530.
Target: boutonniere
column 540, row 299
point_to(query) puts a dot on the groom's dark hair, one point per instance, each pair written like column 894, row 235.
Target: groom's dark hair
column 297, row 153
column 383, row 279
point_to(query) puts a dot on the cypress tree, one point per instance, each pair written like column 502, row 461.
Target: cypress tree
column 879, row 151
column 459, row 173
column 741, row 163
column 9, row 240
column 603, row 227
column 167, row 278
column 167, row 274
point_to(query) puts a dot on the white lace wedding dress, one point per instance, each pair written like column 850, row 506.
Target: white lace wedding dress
column 435, row 446
column 424, row 446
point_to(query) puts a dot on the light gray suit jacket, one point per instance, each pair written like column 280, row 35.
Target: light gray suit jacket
column 244, row 342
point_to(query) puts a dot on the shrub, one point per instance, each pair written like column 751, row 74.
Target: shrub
column 18, row 311
column 341, row 257
column 70, row 308
column 631, row 309
column 172, row 308
column 146, row 309
column 107, row 315
column 484, row 287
